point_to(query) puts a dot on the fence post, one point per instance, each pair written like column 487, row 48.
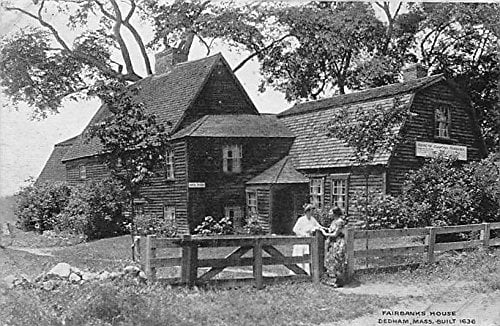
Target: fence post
column 431, row 243
column 257, row 264
column 189, row 264
column 150, row 254
column 317, row 256
column 485, row 234
column 349, row 234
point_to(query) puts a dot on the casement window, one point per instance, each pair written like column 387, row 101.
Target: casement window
column 231, row 158
column 169, row 165
column 252, row 202
column 442, row 119
column 340, row 191
column 82, row 172
column 169, row 212
column 235, row 213
column 316, row 192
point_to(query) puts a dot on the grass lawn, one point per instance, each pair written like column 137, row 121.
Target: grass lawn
column 126, row 303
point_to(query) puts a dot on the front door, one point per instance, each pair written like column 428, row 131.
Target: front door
column 283, row 211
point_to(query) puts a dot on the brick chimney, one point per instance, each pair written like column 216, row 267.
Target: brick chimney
column 412, row 71
column 167, row 59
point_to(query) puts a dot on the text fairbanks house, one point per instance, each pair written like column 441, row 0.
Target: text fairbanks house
column 227, row 159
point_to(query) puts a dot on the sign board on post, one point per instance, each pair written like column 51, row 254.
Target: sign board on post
column 197, row 185
column 425, row 149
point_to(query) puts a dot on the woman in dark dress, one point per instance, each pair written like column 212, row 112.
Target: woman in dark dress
column 335, row 257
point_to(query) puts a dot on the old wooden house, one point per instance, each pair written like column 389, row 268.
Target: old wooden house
column 219, row 141
column 442, row 122
column 227, row 159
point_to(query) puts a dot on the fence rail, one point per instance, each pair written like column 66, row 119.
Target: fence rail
column 190, row 262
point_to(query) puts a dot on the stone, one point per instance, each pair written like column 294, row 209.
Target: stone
column 9, row 281
column 114, row 275
column 6, row 229
column 104, row 275
column 131, row 270
column 60, row 270
column 87, row 276
column 142, row 275
column 74, row 278
column 49, row 285
column 76, row 270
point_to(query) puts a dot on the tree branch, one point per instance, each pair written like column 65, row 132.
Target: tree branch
column 256, row 53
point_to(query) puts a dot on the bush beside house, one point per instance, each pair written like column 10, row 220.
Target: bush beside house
column 441, row 193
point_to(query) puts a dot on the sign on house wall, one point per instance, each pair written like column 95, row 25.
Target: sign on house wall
column 425, row 149
column 196, row 185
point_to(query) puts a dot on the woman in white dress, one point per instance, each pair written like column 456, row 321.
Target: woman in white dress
column 305, row 227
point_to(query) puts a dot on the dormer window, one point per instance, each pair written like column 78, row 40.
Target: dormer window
column 82, row 172
column 442, row 122
column 231, row 158
column 169, row 165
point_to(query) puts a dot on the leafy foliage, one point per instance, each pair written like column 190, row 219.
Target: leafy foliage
column 95, row 209
column 38, row 205
column 253, row 226
column 210, row 226
column 439, row 194
column 152, row 224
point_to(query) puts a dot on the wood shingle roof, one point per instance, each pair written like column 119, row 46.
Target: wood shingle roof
column 313, row 148
column 280, row 173
column 168, row 96
column 54, row 170
column 236, row 125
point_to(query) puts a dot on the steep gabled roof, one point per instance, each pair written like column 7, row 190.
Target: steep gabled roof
column 168, row 96
column 308, row 121
column 280, row 173
column 367, row 95
column 236, row 125
column 54, row 170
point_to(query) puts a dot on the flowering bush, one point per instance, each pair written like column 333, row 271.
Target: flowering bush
column 94, row 210
column 153, row 224
column 253, row 226
column 37, row 205
column 210, row 226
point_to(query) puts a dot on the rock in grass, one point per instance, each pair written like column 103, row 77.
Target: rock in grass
column 74, row 278
column 134, row 270
column 104, row 276
column 9, row 281
column 49, row 285
column 62, row 270
column 87, row 276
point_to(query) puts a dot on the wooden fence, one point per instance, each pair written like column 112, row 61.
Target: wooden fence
column 190, row 262
column 429, row 248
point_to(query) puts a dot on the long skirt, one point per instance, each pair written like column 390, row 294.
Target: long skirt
column 336, row 263
column 301, row 250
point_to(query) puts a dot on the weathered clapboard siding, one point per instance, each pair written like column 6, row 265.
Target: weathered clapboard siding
column 160, row 192
column 205, row 165
column 421, row 128
column 221, row 95
column 95, row 170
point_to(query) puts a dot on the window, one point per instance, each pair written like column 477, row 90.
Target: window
column 82, row 172
column 252, row 202
column 235, row 213
column 442, row 122
column 169, row 165
column 139, row 210
column 231, row 161
column 316, row 192
column 169, row 212
column 340, row 191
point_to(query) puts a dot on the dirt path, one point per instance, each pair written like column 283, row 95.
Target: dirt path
column 432, row 304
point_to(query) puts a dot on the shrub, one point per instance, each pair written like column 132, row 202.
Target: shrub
column 210, row 226
column 152, row 224
column 95, row 210
column 37, row 205
column 438, row 194
column 252, row 226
